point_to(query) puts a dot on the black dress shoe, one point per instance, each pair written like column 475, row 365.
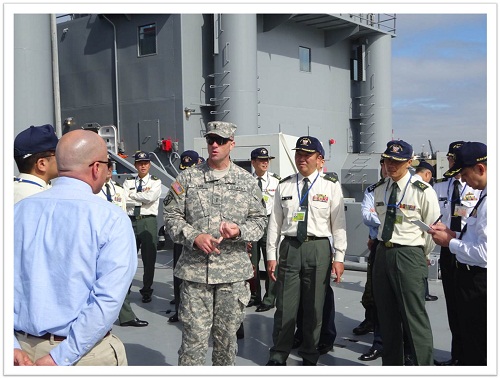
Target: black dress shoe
column 371, row 355
column 296, row 343
column 240, row 333
column 431, row 298
column 146, row 298
column 324, row 348
column 172, row 301
column 305, row 362
column 253, row 302
column 135, row 322
column 274, row 363
column 450, row 362
column 263, row 308
column 363, row 328
column 173, row 318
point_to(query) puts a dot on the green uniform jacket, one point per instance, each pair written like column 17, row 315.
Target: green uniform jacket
column 198, row 203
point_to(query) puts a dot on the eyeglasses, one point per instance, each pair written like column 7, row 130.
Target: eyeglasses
column 220, row 140
column 103, row 162
column 48, row 156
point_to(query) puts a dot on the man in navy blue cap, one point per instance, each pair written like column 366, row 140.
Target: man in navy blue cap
column 456, row 200
column 400, row 266
column 142, row 194
column 268, row 182
column 189, row 158
column 469, row 247
column 34, row 153
column 308, row 211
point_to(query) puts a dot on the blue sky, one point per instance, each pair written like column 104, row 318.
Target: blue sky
column 439, row 79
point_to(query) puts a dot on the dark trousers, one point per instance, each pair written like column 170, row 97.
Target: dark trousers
column 126, row 313
column 328, row 329
column 303, row 275
column 269, row 297
column 471, row 309
column 399, row 276
column 448, row 267
column 177, row 281
column 369, row 302
column 145, row 230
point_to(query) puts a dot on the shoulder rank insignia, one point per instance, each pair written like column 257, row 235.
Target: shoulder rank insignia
column 375, row 185
column 420, row 185
column 130, row 178
column 118, row 185
column 287, row 178
column 442, row 180
column 276, row 176
column 330, row 178
column 154, row 177
column 177, row 188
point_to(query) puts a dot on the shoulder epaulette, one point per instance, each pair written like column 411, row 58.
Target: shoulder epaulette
column 118, row 184
column 420, row 185
column 276, row 176
column 442, row 180
column 287, row 178
column 130, row 178
column 330, row 178
column 154, row 177
column 375, row 185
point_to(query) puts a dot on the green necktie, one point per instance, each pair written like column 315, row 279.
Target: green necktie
column 137, row 209
column 260, row 182
column 302, row 227
column 390, row 216
column 456, row 221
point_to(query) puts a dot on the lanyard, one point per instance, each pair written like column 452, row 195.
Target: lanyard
column 21, row 180
column 112, row 185
column 301, row 200
column 402, row 197
column 448, row 192
column 143, row 182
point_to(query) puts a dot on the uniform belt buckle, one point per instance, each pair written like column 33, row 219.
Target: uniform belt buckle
column 388, row 244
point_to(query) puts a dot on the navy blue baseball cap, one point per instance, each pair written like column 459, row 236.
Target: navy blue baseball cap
column 261, row 153
column 35, row 139
column 141, row 156
column 454, row 146
column 426, row 165
column 201, row 159
column 189, row 158
column 468, row 155
column 398, row 150
column 310, row 145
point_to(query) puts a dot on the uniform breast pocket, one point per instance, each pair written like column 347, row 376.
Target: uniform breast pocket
column 197, row 202
column 320, row 209
column 235, row 205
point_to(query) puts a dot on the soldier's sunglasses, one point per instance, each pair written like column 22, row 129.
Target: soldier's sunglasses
column 220, row 140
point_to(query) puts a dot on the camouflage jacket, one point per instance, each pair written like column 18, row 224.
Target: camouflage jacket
column 197, row 203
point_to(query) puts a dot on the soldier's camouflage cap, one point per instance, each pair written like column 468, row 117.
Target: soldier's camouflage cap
column 221, row 128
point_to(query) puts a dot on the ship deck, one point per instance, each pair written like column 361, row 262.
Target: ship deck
column 157, row 344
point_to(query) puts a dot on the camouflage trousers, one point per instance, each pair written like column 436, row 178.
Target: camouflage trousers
column 215, row 310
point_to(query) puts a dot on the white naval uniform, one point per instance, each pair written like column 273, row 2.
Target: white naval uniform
column 26, row 185
column 148, row 199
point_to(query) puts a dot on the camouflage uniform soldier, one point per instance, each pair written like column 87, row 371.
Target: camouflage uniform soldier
column 212, row 209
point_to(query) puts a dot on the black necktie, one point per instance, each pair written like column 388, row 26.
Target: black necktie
column 456, row 221
column 137, row 209
column 302, row 227
column 390, row 216
column 108, row 192
column 260, row 182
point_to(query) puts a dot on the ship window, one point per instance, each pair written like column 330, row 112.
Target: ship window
column 147, row 40
column 305, row 59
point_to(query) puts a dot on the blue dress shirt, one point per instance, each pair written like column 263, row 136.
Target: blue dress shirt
column 74, row 259
column 368, row 213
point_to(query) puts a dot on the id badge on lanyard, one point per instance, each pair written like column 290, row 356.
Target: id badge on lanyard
column 299, row 215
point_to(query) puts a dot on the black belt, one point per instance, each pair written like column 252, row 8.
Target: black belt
column 47, row 336
column 133, row 218
column 308, row 238
column 469, row 267
column 390, row 244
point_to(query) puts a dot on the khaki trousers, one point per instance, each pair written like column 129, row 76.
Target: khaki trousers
column 108, row 352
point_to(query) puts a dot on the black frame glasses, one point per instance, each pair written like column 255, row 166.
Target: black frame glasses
column 218, row 139
column 103, row 162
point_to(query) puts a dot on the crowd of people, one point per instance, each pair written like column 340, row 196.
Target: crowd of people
column 71, row 219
